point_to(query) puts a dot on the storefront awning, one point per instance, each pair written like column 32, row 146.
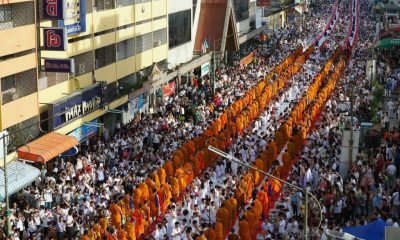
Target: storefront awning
column 47, row 147
column 389, row 43
column 20, row 175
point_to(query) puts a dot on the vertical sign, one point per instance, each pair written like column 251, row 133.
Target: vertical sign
column 75, row 17
column 55, row 39
column 205, row 68
column 54, row 9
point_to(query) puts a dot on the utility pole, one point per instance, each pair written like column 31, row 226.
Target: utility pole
column 304, row 190
column 6, row 195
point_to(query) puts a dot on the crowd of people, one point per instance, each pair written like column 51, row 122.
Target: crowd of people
column 123, row 185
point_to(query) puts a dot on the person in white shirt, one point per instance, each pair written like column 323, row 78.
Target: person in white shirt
column 160, row 232
column 176, row 232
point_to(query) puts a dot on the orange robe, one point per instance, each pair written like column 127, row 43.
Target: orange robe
column 244, row 230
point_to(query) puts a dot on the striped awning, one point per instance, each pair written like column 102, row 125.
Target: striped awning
column 20, row 175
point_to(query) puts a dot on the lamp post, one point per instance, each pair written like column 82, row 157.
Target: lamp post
column 351, row 81
column 303, row 190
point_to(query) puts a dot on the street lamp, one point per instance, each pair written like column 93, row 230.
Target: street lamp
column 307, row 194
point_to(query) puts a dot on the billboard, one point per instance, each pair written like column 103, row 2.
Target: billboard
column 85, row 131
column 74, row 106
column 55, row 39
column 75, row 17
column 205, row 68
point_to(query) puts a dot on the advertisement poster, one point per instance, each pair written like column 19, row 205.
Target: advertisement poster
column 169, row 89
column 205, row 68
column 85, row 131
column 75, row 17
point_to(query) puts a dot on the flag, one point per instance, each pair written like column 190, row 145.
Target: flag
column 204, row 46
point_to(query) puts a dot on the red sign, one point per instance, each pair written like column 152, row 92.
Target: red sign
column 169, row 89
column 264, row 3
column 247, row 60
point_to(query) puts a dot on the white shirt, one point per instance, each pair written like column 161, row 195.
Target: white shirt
column 391, row 169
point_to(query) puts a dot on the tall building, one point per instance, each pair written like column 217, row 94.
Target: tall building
column 18, row 68
column 113, row 45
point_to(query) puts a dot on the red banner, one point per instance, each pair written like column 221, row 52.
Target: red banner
column 169, row 89
column 248, row 59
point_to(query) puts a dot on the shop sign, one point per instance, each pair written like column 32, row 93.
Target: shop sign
column 75, row 17
column 205, row 68
column 264, row 3
column 85, row 131
column 247, row 60
column 59, row 65
column 74, row 106
column 169, row 89
column 54, row 9
column 55, row 39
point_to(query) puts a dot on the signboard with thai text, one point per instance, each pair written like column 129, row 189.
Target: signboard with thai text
column 54, row 9
column 59, row 65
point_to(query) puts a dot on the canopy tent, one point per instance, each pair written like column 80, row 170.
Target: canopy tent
column 372, row 231
column 389, row 43
column 19, row 175
column 47, row 147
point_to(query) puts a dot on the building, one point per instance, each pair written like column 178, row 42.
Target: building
column 18, row 68
column 113, row 54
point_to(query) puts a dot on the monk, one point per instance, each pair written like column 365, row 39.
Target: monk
column 219, row 231
column 130, row 230
column 223, row 217
column 138, row 215
column 250, row 218
column 209, row 233
column 175, row 187
column 116, row 216
column 162, row 175
column 244, row 229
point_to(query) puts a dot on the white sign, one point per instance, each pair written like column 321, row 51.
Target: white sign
column 258, row 18
column 82, row 108
column 205, row 68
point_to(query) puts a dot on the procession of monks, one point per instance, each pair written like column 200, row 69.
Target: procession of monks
column 131, row 215
column 247, row 226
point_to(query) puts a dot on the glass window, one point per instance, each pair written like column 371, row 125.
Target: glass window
column 105, row 56
column 101, row 5
column 160, row 37
column 241, row 9
column 144, row 42
column 126, row 49
column 180, row 27
column 5, row 14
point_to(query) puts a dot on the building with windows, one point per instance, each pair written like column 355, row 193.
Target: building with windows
column 112, row 59
column 18, row 67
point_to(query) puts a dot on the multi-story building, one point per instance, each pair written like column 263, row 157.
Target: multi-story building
column 112, row 60
column 18, row 66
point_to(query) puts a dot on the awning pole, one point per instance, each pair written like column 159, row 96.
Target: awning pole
column 6, row 188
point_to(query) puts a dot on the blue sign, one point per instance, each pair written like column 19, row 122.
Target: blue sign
column 70, row 152
column 54, row 9
column 55, row 39
column 141, row 101
column 85, row 131
column 75, row 17
column 59, row 65
column 76, row 105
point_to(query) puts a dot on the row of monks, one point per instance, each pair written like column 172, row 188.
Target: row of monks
column 247, row 225
column 137, row 209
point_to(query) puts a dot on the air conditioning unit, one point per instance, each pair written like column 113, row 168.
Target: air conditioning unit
column 157, row 43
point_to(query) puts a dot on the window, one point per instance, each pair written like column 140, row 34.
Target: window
column 180, row 27
column 123, row 3
column 159, row 37
column 125, row 49
column 105, row 56
column 101, row 5
column 5, row 14
column 144, row 42
column 83, row 63
column 19, row 85
column 241, row 9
